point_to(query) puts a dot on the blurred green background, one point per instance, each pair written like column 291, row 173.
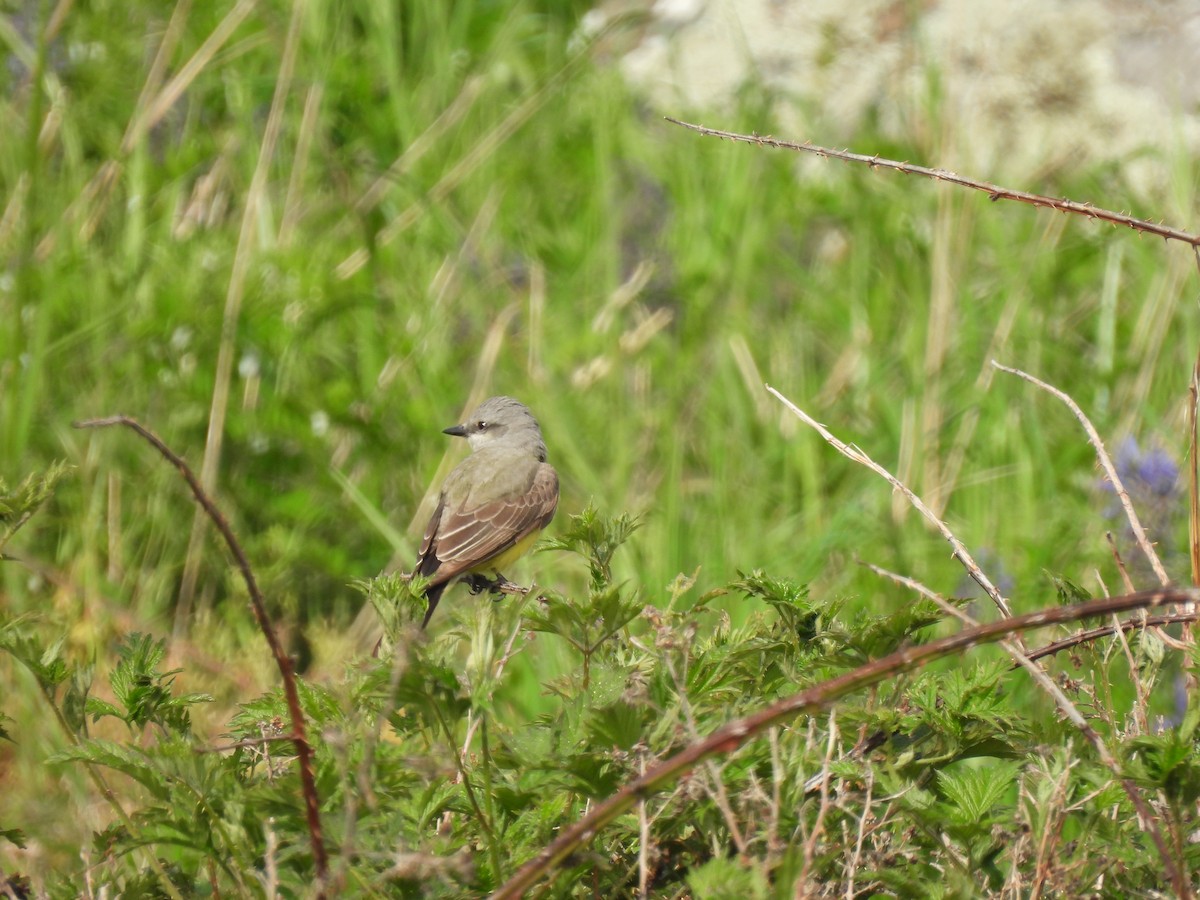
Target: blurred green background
column 299, row 240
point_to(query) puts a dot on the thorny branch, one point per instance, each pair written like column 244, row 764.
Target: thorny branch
column 994, row 192
column 731, row 737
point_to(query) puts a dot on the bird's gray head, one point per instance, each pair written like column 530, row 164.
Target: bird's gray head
column 502, row 421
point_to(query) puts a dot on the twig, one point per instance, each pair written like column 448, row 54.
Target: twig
column 1140, row 693
column 993, row 191
column 1057, row 646
column 856, row 858
column 1110, row 470
column 912, row 584
column 249, row 742
column 1056, row 814
column 643, row 842
column 1092, row 634
column 1125, row 579
column 733, row 736
column 1129, row 589
column 854, row 453
column 282, row 660
column 810, row 843
column 1192, row 677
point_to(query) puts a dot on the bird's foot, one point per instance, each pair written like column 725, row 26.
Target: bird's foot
column 478, row 583
column 499, row 586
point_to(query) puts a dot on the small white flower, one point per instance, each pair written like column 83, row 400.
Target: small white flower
column 248, row 366
column 320, row 423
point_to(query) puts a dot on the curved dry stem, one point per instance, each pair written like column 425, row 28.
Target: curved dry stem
column 1106, row 463
column 854, row 453
column 282, row 660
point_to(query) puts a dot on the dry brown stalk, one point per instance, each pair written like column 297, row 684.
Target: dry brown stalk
column 854, row 453
column 994, row 192
column 1106, row 463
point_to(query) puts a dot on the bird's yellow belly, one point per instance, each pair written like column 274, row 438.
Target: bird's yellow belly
column 500, row 561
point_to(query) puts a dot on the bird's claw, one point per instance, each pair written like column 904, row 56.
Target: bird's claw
column 477, row 583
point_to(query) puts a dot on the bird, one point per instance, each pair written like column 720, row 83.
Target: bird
column 493, row 505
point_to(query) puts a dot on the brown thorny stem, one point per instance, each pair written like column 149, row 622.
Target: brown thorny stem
column 303, row 749
column 994, row 192
column 731, row 737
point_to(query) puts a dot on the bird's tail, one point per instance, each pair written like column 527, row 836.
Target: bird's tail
column 433, row 594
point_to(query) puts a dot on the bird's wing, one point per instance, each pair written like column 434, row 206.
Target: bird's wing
column 457, row 540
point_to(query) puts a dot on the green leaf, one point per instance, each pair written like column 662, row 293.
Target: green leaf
column 728, row 879
column 974, row 793
column 619, row 726
column 1067, row 590
column 17, row 505
column 137, row 764
column 142, row 692
column 43, row 661
column 596, row 538
column 788, row 598
column 398, row 600
column 75, row 700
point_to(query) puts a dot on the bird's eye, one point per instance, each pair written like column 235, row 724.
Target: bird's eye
column 481, row 425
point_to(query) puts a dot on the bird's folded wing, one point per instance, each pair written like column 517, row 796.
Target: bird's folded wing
column 459, row 540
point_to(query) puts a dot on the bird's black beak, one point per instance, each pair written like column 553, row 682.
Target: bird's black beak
column 456, row 430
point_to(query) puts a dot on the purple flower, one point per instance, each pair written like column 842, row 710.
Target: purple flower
column 1151, row 476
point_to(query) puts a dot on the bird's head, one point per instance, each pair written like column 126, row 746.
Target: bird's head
column 501, row 419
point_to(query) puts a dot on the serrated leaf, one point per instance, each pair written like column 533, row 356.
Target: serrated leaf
column 18, row 505
column 131, row 761
column 974, row 794
column 619, row 725
column 788, row 598
column 596, row 538
column 1067, row 590
column 723, row 878
column 74, row 703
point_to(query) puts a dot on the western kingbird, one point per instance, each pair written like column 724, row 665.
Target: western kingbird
column 494, row 503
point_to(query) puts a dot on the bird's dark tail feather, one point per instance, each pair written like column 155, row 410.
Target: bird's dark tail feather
column 433, row 594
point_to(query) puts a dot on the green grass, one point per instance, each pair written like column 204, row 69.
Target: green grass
column 532, row 188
